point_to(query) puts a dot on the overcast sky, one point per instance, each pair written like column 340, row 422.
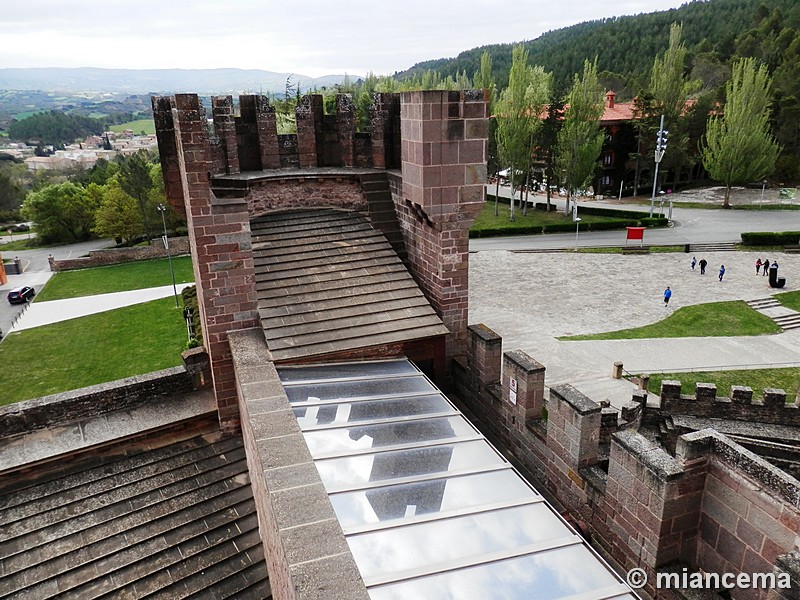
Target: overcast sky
column 311, row 37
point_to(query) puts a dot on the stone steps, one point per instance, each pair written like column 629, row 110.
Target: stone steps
column 713, row 247
column 382, row 213
column 788, row 321
column 171, row 522
column 785, row 321
column 761, row 303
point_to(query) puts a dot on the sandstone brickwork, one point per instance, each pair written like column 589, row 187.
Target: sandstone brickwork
column 713, row 505
column 444, row 150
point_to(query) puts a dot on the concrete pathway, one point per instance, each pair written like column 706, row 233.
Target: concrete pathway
column 44, row 313
column 532, row 299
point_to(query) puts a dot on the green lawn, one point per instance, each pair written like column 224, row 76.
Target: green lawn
column 116, row 278
column 713, row 319
column 146, row 125
column 758, row 379
column 789, row 300
column 102, row 347
column 534, row 218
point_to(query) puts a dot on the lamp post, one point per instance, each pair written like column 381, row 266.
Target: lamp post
column 661, row 147
column 577, row 220
column 163, row 209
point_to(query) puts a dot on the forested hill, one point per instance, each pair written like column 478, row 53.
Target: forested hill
column 627, row 45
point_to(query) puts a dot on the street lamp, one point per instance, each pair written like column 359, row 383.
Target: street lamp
column 661, row 147
column 163, row 209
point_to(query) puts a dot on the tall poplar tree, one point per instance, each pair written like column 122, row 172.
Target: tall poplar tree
column 580, row 139
column 518, row 113
column 738, row 146
column 667, row 94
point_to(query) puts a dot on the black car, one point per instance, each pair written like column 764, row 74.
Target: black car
column 21, row 295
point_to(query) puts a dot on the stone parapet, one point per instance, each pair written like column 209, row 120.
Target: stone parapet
column 771, row 408
column 305, row 549
column 114, row 256
column 74, row 405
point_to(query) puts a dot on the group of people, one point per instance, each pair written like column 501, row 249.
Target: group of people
column 703, row 264
column 765, row 265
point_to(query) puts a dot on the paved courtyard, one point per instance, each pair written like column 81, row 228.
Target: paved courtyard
column 531, row 298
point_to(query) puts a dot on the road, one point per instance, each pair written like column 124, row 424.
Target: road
column 36, row 272
column 689, row 226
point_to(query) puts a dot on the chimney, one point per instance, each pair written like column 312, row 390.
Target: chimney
column 610, row 95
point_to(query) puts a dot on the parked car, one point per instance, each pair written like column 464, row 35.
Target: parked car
column 21, row 295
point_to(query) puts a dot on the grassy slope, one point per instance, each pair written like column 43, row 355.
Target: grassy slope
column 116, row 278
column 90, row 350
column 714, row 319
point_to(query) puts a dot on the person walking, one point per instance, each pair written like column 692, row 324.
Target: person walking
column 703, row 264
column 667, row 296
column 694, row 262
column 766, row 266
column 758, row 265
column 721, row 272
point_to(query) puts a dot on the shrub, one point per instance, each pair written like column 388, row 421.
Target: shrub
column 771, row 238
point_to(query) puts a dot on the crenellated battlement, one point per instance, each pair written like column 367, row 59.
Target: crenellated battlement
column 711, row 504
column 741, row 406
column 244, row 137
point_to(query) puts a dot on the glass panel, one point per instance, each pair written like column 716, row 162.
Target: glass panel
column 345, row 390
column 363, row 437
column 370, row 410
column 425, row 545
column 543, row 576
column 337, row 371
column 427, row 497
column 338, row 473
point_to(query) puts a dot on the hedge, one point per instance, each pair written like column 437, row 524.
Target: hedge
column 771, row 238
column 568, row 227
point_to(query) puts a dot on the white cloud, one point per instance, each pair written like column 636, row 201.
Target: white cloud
column 313, row 38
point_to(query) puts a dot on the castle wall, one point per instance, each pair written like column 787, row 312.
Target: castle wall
column 444, row 150
column 714, row 505
column 305, row 549
column 114, row 256
column 307, row 192
column 219, row 230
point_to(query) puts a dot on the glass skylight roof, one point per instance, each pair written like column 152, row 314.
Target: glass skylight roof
column 429, row 508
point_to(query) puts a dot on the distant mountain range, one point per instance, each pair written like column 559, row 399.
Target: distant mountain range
column 159, row 81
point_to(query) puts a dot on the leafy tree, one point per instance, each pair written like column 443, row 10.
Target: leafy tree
column 581, row 138
column 135, row 179
column 62, row 212
column 668, row 91
column 54, row 128
column 518, row 113
column 118, row 215
column 738, row 146
column 484, row 80
column 13, row 175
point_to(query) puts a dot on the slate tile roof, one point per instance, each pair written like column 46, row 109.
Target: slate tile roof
column 328, row 282
column 172, row 522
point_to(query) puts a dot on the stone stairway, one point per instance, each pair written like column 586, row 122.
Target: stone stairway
column 381, row 210
column 172, row 522
column 712, row 247
column 785, row 318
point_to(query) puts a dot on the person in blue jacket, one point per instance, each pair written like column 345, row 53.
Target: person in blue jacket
column 721, row 272
column 667, row 296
